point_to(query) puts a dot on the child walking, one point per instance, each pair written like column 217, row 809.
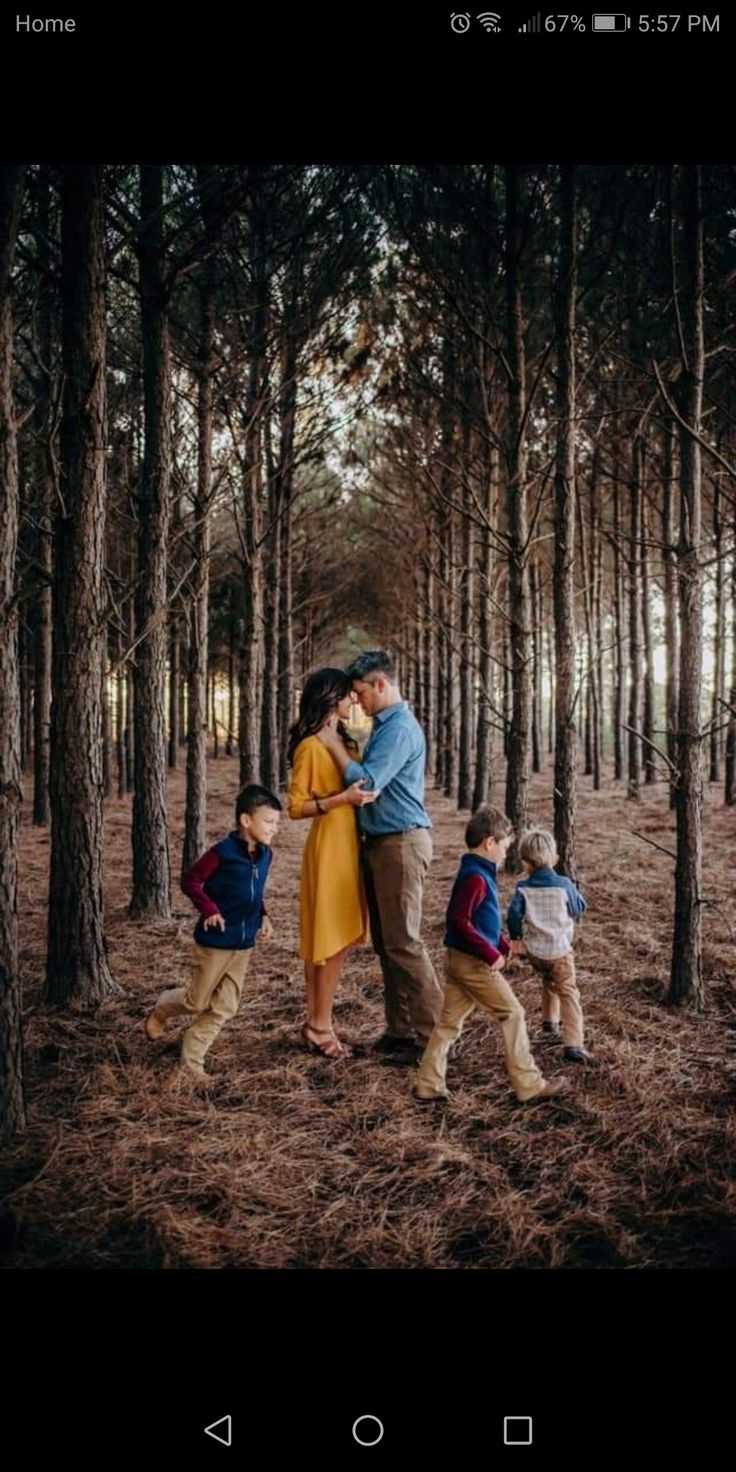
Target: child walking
column 543, row 913
column 227, row 886
column 474, row 958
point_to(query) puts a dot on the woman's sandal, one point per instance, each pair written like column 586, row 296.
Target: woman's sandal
column 331, row 1048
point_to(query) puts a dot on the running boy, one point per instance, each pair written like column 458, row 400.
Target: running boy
column 226, row 885
column 474, row 958
column 543, row 912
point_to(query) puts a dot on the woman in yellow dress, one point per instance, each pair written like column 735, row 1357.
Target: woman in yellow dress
column 332, row 907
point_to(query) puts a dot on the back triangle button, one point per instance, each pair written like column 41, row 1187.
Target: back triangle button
column 221, row 1430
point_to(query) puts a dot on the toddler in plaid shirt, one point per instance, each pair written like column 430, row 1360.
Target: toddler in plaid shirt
column 543, row 914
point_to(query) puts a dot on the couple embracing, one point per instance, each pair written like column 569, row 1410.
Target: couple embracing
column 379, row 863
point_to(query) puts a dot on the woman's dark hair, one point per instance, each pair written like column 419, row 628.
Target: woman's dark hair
column 322, row 693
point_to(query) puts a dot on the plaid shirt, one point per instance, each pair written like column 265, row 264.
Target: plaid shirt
column 543, row 913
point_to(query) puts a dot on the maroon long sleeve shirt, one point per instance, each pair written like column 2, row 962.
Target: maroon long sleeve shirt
column 470, row 893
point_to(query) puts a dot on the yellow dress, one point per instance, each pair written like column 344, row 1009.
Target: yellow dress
column 332, row 908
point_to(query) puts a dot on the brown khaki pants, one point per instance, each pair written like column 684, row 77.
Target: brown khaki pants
column 395, row 866
column 212, row 998
column 470, row 983
column 560, row 996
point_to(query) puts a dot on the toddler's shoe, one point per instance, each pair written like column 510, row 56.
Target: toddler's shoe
column 577, row 1055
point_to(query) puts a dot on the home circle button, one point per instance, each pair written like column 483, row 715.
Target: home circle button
column 368, row 1430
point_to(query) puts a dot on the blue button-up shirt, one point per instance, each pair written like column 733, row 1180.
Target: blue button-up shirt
column 393, row 761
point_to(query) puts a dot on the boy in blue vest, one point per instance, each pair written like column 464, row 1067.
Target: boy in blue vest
column 226, row 885
column 474, row 959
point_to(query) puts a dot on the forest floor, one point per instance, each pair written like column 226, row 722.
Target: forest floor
column 289, row 1160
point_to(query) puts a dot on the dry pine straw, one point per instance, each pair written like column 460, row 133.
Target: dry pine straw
column 287, row 1160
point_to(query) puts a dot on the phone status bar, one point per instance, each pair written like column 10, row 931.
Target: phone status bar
column 494, row 23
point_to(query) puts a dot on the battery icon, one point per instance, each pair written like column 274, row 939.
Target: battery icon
column 610, row 22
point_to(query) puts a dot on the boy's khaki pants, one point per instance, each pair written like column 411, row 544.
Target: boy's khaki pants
column 212, row 998
column 469, row 983
column 560, row 996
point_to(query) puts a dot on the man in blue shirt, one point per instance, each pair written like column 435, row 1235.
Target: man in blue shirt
column 397, row 851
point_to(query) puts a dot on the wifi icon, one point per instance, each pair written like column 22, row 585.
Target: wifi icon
column 489, row 20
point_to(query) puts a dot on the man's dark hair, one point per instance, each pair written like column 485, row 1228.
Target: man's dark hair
column 372, row 662
column 487, row 823
column 253, row 797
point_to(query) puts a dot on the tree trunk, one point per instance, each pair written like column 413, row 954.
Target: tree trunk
column 120, row 715
column 151, row 871
column 195, row 819
column 650, row 759
column 671, row 629
column 719, row 639
column 77, row 965
column 565, row 792
column 686, row 975
column 252, row 608
column 130, row 702
column 182, row 683
column 465, row 590
column 506, row 691
column 26, row 687
column 430, row 668
column 450, row 748
column 230, row 741
column 45, row 475
column 174, row 678
column 106, row 724
column 484, row 738
column 596, row 627
column 443, row 650
column 537, row 598
column 597, row 570
column 592, row 754
column 518, row 771
column 635, row 681
column 619, row 693
column 730, row 786
column 12, row 1108
column 552, row 695
column 213, row 709
column 271, row 601
column 286, row 641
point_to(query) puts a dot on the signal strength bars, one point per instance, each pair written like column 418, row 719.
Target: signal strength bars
column 533, row 24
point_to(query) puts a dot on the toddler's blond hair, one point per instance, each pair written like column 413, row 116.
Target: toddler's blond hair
column 538, row 848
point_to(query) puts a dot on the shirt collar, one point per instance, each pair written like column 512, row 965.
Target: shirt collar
column 389, row 710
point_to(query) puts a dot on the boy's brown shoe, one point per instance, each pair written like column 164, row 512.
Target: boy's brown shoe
column 552, row 1089
column 155, row 1028
column 429, row 1098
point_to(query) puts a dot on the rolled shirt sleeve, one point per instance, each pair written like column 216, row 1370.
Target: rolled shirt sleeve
column 301, row 784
